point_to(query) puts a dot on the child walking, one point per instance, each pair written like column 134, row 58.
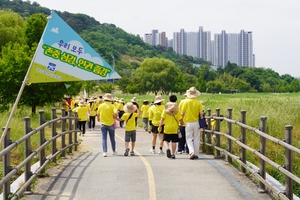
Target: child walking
column 171, row 118
column 130, row 129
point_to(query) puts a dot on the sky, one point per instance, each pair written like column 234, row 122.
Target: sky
column 275, row 24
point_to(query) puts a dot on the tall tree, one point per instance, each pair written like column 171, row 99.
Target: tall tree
column 11, row 27
column 34, row 29
column 158, row 75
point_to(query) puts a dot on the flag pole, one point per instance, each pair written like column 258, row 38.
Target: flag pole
column 24, row 83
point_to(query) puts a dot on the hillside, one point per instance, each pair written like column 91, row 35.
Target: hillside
column 126, row 52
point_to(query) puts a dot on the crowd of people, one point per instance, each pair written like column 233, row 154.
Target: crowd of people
column 171, row 122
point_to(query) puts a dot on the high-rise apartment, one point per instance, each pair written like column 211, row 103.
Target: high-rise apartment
column 155, row 38
column 233, row 47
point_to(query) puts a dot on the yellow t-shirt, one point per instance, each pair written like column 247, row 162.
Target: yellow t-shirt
column 180, row 109
column 130, row 124
column 171, row 122
column 106, row 111
column 92, row 109
column 82, row 113
column 213, row 124
column 121, row 106
column 155, row 114
column 192, row 109
column 144, row 110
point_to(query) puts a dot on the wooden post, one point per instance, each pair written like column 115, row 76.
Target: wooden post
column 243, row 139
column 229, row 125
column 54, row 149
column 42, row 141
column 218, row 142
column 6, row 164
column 63, row 137
column 288, row 162
column 27, row 152
column 262, row 150
column 210, row 149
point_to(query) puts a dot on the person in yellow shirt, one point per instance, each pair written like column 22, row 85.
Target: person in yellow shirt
column 182, row 145
column 130, row 129
column 92, row 109
column 154, row 116
column 82, row 114
column 106, row 114
column 171, row 117
column 65, row 105
column 121, row 110
column 191, row 110
column 145, row 116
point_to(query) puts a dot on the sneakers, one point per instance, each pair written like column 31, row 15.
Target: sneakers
column 132, row 153
column 126, row 152
column 115, row 153
column 168, row 153
column 152, row 151
column 160, row 152
column 193, row 156
column 179, row 152
column 104, row 154
column 173, row 156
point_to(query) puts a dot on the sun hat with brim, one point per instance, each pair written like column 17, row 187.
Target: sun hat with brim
column 121, row 100
column 107, row 97
column 134, row 99
column 171, row 108
column 192, row 93
column 81, row 103
column 130, row 107
column 185, row 94
column 158, row 99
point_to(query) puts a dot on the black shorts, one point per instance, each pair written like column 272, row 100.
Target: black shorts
column 171, row 137
column 154, row 129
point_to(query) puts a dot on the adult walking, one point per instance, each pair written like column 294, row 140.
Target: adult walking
column 191, row 110
column 91, row 106
column 182, row 145
column 121, row 110
column 155, row 116
column 145, row 115
column 106, row 114
column 171, row 118
column 82, row 112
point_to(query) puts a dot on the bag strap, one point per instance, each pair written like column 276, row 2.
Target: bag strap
column 175, row 119
column 129, row 117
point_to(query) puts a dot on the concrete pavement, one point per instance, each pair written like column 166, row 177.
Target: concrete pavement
column 87, row 175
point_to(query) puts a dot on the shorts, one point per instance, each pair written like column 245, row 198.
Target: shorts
column 130, row 136
column 171, row 137
column 154, row 129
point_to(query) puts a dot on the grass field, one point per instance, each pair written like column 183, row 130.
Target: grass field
column 280, row 110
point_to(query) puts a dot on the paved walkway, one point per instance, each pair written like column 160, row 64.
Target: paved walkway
column 87, row 175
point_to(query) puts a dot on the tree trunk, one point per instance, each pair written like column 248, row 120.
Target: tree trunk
column 33, row 109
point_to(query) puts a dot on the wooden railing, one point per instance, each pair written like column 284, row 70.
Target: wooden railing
column 286, row 169
column 220, row 148
column 68, row 127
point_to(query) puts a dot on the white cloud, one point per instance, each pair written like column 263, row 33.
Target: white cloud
column 55, row 30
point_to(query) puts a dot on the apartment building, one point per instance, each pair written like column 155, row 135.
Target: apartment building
column 233, row 47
